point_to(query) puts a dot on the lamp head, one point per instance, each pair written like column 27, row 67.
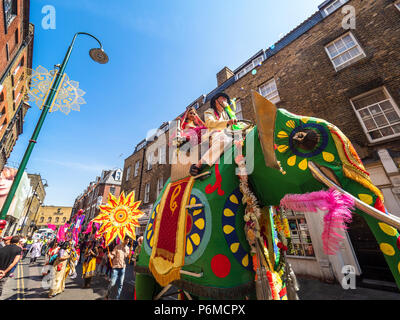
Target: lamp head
column 98, row 55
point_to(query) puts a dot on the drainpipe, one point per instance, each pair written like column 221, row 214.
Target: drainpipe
column 141, row 171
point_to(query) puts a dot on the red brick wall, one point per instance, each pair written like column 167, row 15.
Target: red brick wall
column 9, row 38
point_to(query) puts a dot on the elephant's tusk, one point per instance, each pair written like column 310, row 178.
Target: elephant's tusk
column 389, row 219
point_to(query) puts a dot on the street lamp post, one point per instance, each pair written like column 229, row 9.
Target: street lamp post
column 98, row 55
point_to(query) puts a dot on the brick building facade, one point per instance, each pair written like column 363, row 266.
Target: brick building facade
column 34, row 202
column 16, row 53
column 322, row 68
column 96, row 193
column 55, row 215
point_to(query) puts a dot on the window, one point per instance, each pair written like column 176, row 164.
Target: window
column 239, row 112
column 64, row 219
column 147, row 193
column 112, row 190
column 149, row 161
column 249, row 67
column 16, row 37
column 162, row 155
column 118, row 175
column 270, row 91
column 160, row 185
column 333, row 6
column 57, row 219
column 48, row 219
column 137, row 165
column 344, row 51
column 41, row 219
column 140, row 146
column 397, row 5
column 378, row 114
column 10, row 10
column 301, row 240
column 128, row 172
column 7, row 52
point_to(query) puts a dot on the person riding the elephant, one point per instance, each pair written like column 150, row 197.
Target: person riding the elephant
column 192, row 126
column 217, row 120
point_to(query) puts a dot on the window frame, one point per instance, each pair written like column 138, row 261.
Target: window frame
column 361, row 121
column 239, row 114
column 162, row 154
column 11, row 13
column 150, row 161
column 160, row 185
column 128, row 172
column 137, row 166
column 7, row 52
column 250, row 66
column 353, row 59
column 397, row 5
column 276, row 86
column 297, row 217
column 341, row 2
column 146, row 193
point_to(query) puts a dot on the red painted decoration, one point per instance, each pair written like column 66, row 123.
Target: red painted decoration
column 2, row 224
column 189, row 223
column 282, row 292
column 398, row 242
column 218, row 183
column 221, row 266
column 379, row 205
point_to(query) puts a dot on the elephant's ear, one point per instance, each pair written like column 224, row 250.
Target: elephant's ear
column 265, row 112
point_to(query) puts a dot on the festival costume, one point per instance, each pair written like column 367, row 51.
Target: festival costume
column 35, row 251
column 70, row 268
column 192, row 130
column 89, row 266
column 219, row 141
column 58, row 284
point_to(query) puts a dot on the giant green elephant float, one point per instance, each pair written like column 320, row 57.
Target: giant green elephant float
column 201, row 237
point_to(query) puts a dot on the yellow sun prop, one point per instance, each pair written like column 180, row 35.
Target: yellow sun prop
column 119, row 217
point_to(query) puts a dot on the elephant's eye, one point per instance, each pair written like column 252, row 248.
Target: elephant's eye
column 308, row 140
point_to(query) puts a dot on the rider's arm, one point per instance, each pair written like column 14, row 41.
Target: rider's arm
column 212, row 123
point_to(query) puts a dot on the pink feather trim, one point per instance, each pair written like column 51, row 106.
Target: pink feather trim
column 339, row 208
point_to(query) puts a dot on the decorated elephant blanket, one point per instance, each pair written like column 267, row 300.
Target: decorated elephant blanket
column 168, row 254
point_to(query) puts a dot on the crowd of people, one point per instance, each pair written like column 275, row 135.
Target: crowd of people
column 61, row 260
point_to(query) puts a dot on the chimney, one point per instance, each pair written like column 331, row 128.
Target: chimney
column 224, row 75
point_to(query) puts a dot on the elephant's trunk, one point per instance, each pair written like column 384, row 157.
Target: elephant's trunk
column 371, row 211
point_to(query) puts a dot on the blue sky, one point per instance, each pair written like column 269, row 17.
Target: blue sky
column 163, row 55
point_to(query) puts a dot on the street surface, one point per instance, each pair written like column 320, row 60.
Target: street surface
column 27, row 285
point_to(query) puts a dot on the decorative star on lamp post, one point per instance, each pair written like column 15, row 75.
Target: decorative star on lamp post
column 69, row 95
column 50, row 103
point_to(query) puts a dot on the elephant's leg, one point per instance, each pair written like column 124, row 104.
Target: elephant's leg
column 145, row 287
column 388, row 240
